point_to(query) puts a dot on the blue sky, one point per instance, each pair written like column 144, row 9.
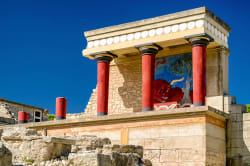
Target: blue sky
column 41, row 43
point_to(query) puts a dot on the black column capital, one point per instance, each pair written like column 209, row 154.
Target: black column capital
column 103, row 56
column 199, row 39
column 149, row 48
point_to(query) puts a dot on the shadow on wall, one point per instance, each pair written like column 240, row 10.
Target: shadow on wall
column 131, row 89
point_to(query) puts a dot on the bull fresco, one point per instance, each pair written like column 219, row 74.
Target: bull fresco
column 173, row 79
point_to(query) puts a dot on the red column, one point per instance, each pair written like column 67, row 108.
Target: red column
column 148, row 52
column 102, row 88
column 199, row 46
column 61, row 108
column 147, row 81
column 23, row 117
column 199, row 74
column 103, row 59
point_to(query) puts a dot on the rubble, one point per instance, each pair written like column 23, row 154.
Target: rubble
column 25, row 147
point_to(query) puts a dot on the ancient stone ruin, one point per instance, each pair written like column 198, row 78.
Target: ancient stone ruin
column 25, row 147
column 162, row 85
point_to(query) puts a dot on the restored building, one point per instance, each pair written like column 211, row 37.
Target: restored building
column 9, row 112
column 163, row 84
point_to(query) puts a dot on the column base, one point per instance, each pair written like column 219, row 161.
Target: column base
column 199, row 104
column 145, row 109
column 22, row 121
column 60, row 118
column 101, row 113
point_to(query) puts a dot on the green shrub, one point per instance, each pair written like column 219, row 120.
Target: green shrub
column 28, row 160
column 51, row 116
column 248, row 108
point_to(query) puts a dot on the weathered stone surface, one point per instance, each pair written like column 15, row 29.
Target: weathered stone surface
column 36, row 149
column 123, row 149
column 18, row 132
column 90, row 142
column 5, row 156
column 89, row 159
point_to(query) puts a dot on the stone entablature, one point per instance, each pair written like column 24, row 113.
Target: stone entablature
column 168, row 30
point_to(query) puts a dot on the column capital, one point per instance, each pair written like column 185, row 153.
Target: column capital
column 149, row 48
column 104, row 56
column 199, row 39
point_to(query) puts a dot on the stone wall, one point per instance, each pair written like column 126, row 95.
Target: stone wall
column 237, row 149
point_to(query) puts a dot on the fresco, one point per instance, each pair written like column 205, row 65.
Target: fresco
column 173, row 79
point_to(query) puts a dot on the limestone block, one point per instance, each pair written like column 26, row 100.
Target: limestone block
column 167, row 131
column 215, row 131
column 36, row 148
column 89, row 159
column 123, row 149
column 52, row 139
column 111, row 148
column 169, row 156
column 193, row 129
column 143, row 132
column 138, row 141
column 246, row 131
column 125, row 159
column 185, row 155
column 237, row 108
column 192, row 164
column 246, row 125
column 237, row 143
column 246, row 117
column 215, row 101
column 215, row 144
column 214, row 158
column 152, row 155
column 113, row 135
column 195, row 142
column 90, row 142
column 18, row 132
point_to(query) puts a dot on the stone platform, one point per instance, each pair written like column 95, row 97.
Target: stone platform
column 183, row 136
